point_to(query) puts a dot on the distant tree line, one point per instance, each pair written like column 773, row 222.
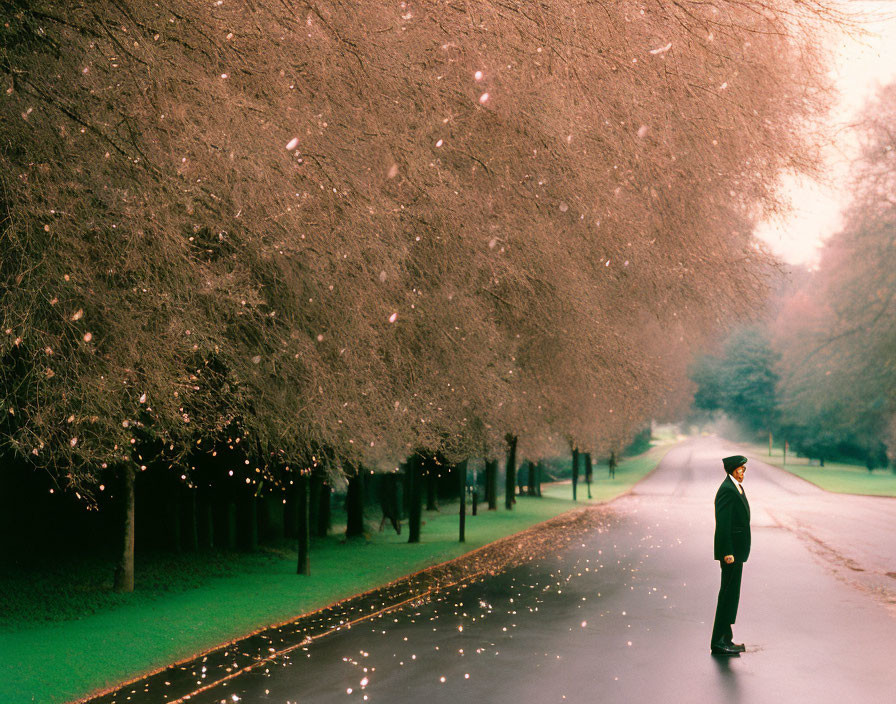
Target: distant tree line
column 822, row 374
column 267, row 248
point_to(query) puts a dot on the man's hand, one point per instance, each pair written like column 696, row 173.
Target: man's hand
column 729, row 559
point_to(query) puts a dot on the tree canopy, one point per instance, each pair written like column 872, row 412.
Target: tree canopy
column 374, row 228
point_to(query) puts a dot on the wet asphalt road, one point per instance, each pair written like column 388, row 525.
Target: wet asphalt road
column 624, row 614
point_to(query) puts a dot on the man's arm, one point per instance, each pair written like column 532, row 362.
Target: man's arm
column 724, row 509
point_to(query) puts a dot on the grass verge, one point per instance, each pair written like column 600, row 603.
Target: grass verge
column 834, row 476
column 109, row 639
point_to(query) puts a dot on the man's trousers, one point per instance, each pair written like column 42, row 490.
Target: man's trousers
column 726, row 608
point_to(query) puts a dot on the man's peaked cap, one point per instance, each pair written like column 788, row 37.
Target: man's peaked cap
column 733, row 462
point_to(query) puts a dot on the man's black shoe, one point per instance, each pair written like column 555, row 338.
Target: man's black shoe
column 721, row 649
column 739, row 647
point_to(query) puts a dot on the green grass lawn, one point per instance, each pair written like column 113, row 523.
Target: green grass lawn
column 603, row 488
column 99, row 639
column 834, row 476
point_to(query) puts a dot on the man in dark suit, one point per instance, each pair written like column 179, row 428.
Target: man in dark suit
column 731, row 547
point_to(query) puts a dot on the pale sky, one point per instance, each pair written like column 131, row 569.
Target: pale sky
column 861, row 65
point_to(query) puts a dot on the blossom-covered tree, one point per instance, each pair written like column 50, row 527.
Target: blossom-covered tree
column 363, row 229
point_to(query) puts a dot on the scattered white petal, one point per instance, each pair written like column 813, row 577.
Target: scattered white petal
column 662, row 49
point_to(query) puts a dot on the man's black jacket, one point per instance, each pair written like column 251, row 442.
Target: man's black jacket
column 732, row 523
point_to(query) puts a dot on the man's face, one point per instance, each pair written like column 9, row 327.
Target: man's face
column 739, row 472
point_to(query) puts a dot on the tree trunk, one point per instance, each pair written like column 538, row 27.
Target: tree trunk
column 387, row 494
column 491, row 484
column 462, row 482
column 431, row 503
column 530, row 488
column 354, row 505
column 124, row 574
column 405, row 468
column 290, row 511
column 314, row 486
column 510, row 476
column 539, row 469
column 575, row 472
column 303, row 520
column 589, row 469
column 769, row 443
column 414, row 499
column 474, row 493
column 784, row 462
column 323, row 510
